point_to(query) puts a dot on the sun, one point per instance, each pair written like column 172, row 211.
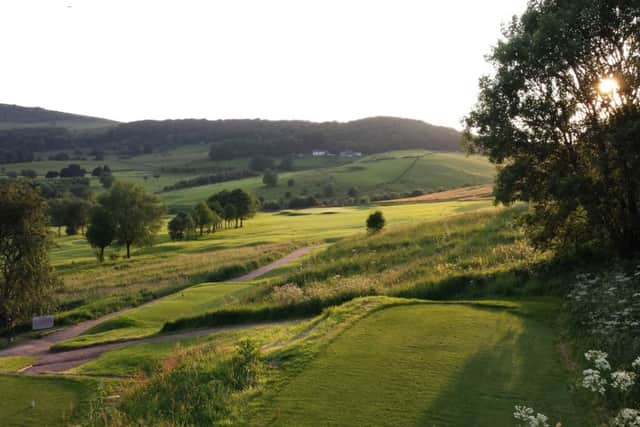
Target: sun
column 608, row 86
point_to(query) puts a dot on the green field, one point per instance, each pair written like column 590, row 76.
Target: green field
column 51, row 401
column 428, row 365
column 389, row 174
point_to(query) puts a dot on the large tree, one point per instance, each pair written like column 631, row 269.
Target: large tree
column 137, row 216
column 561, row 117
column 27, row 281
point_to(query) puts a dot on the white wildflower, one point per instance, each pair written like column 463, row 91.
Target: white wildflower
column 623, row 380
column 636, row 363
column 529, row 417
column 627, row 418
column 592, row 380
column 599, row 358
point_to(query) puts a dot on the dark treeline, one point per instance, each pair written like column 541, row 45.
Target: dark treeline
column 210, row 179
column 231, row 139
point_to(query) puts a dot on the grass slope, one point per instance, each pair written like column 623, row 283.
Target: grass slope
column 388, row 174
column 428, row 365
column 149, row 319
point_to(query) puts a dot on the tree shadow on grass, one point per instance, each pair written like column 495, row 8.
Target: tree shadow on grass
column 521, row 368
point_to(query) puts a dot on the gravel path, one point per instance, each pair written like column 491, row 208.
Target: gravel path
column 62, row 361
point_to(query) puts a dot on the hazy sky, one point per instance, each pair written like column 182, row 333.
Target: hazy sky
column 274, row 59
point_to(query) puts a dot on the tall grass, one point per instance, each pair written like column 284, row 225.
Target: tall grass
column 474, row 255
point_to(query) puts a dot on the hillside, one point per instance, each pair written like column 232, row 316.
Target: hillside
column 16, row 116
column 381, row 176
column 25, row 131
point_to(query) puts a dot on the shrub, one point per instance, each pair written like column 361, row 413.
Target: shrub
column 375, row 222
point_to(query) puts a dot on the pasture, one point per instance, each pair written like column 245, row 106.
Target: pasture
column 381, row 175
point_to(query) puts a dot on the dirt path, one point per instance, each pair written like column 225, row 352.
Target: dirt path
column 61, row 361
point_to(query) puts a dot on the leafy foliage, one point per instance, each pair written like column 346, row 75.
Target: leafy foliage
column 565, row 142
column 375, row 222
column 137, row 216
column 26, row 279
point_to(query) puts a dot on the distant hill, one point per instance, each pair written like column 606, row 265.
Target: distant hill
column 15, row 117
column 244, row 138
column 25, row 130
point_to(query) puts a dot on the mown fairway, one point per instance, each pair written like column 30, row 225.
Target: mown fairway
column 56, row 401
column 428, row 365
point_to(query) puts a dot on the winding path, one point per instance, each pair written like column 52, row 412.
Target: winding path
column 61, row 361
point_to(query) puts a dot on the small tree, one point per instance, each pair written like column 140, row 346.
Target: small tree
column 291, row 182
column 137, row 216
column 270, row 178
column 52, row 174
column 107, row 180
column 29, row 173
column 375, row 222
column 353, row 192
column 203, row 216
column 180, row 226
column 286, row 164
column 27, row 280
column 101, row 231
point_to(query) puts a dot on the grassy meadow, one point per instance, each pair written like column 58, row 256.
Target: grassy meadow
column 386, row 175
column 168, row 266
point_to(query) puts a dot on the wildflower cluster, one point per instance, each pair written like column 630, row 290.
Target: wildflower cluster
column 607, row 309
column 529, row 417
column 627, row 418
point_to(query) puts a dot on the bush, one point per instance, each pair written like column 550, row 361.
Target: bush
column 375, row 222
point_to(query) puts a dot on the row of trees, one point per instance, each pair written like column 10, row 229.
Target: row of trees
column 225, row 209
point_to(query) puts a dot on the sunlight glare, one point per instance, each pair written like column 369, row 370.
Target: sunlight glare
column 608, row 86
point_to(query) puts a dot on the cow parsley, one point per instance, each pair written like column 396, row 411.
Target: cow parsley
column 592, row 380
column 623, row 380
column 599, row 359
column 529, row 417
column 627, row 418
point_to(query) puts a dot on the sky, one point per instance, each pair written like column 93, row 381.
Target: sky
column 319, row 60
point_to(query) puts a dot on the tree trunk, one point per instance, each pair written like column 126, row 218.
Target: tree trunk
column 101, row 256
column 128, row 249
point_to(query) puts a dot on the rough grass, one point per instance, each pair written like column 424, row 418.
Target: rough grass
column 57, row 401
column 91, row 290
column 481, row 254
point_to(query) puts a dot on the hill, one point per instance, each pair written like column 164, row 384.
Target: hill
column 383, row 176
column 25, row 131
column 16, row 116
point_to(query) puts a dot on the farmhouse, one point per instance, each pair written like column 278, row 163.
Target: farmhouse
column 350, row 153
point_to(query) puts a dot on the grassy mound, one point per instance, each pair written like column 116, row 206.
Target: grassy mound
column 428, row 365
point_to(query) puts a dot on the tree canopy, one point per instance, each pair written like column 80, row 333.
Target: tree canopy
column 560, row 115
column 137, row 216
column 101, row 231
column 27, row 280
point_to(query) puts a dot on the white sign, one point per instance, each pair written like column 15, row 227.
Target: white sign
column 42, row 322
